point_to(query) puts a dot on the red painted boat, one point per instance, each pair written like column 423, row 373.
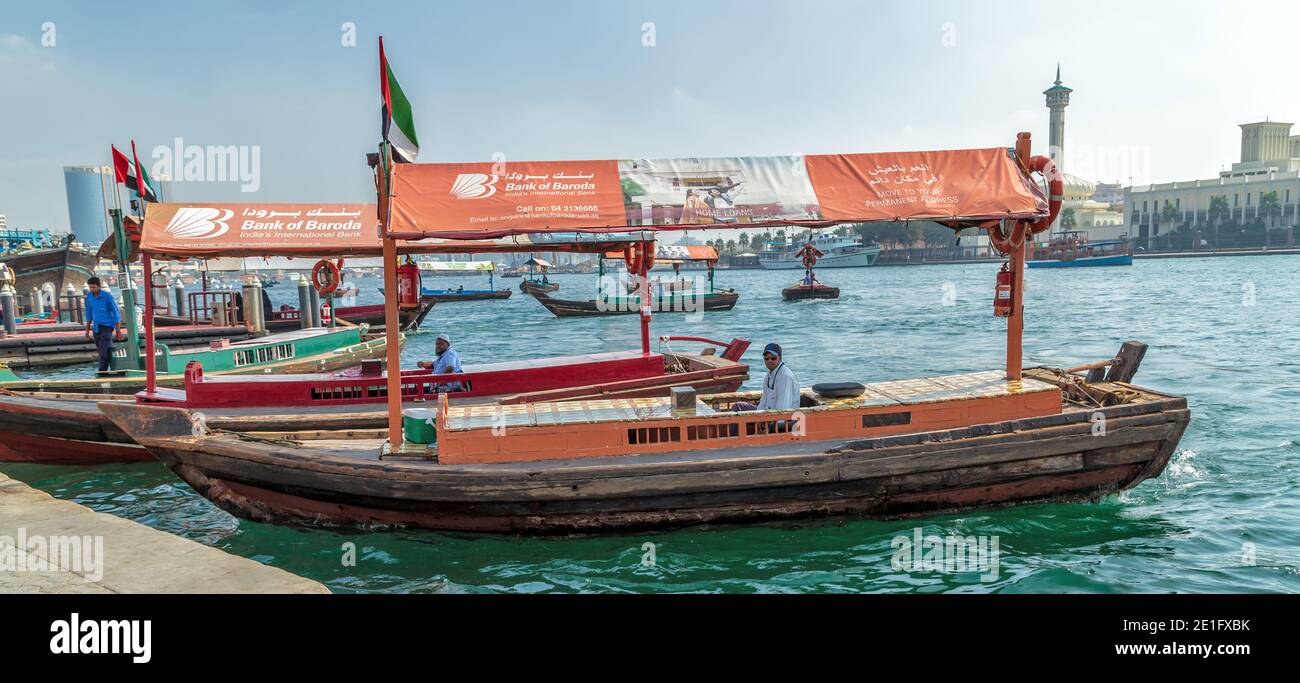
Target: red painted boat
column 63, row 428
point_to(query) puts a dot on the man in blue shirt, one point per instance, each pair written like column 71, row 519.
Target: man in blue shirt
column 448, row 362
column 102, row 320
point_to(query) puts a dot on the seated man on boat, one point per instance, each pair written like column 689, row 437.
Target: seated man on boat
column 448, row 362
column 780, row 387
column 103, row 321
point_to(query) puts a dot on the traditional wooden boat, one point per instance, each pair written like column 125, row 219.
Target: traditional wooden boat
column 533, row 284
column 62, row 424
column 462, row 294
column 814, row 291
column 679, row 303
column 809, row 287
column 538, row 287
column 310, row 350
column 901, row 448
column 44, row 266
column 674, row 296
column 289, row 318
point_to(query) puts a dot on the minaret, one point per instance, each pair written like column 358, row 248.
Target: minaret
column 1058, row 98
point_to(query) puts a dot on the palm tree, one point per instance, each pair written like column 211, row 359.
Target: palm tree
column 1218, row 213
column 1270, row 208
column 1169, row 215
column 1068, row 220
column 744, row 240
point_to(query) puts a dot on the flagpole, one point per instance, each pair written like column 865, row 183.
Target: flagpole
column 392, row 324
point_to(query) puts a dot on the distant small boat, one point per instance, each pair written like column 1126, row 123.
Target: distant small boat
column 535, row 286
column 814, row 291
column 1073, row 249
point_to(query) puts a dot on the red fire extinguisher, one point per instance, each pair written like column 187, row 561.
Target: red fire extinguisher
column 408, row 284
column 1002, row 295
column 326, row 314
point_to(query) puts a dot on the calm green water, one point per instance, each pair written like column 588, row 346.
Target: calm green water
column 1222, row 331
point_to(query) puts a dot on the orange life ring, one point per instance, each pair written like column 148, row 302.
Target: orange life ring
column 1006, row 244
column 636, row 254
column 335, row 276
column 1055, row 191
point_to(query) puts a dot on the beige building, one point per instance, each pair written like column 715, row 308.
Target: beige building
column 1270, row 162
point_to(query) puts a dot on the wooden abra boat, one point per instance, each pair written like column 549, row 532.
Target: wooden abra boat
column 814, row 291
column 1073, row 249
column 371, row 315
column 676, row 303
column 310, row 350
column 534, row 285
column 901, row 448
column 63, row 424
column 671, row 296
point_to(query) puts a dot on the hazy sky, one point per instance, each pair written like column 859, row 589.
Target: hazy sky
column 1159, row 87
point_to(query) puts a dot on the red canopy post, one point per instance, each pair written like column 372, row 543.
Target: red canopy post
column 647, row 253
column 1016, row 321
column 150, row 363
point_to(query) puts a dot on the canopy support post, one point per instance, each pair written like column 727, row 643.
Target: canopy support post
column 150, row 362
column 644, row 300
column 392, row 335
column 1016, row 321
column 126, row 289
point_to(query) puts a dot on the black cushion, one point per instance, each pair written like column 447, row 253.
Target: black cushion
column 839, row 389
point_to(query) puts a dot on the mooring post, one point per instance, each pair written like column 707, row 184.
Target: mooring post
column 314, row 307
column 10, row 307
column 304, row 303
column 178, row 289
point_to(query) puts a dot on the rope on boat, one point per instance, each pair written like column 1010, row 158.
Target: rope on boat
column 255, row 438
column 1077, row 389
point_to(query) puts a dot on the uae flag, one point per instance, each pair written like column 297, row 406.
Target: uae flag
column 125, row 172
column 399, row 125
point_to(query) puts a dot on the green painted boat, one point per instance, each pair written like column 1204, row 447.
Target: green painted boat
column 300, row 351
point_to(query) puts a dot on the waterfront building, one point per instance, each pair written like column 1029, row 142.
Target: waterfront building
column 88, row 189
column 1261, row 192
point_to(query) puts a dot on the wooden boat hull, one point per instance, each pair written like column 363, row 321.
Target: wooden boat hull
column 444, row 296
column 1055, row 458
column 51, row 269
column 60, row 426
column 372, row 315
column 1111, row 260
column 530, row 287
column 567, row 308
column 371, row 346
column 800, row 292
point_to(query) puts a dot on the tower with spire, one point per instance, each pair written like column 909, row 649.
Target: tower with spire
column 1058, row 98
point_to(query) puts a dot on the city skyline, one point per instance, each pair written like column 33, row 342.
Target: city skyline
column 727, row 79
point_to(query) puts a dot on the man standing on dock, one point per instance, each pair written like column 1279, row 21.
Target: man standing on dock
column 102, row 320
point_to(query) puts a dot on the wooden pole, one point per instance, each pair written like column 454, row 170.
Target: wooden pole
column 392, row 333
column 150, row 363
column 643, row 276
column 1016, row 321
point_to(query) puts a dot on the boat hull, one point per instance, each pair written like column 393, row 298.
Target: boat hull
column 568, row 308
column 446, row 296
column 1113, row 260
column 1055, row 458
column 51, row 270
column 800, row 292
column 372, row 315
column 61, row 428
column 529, row 287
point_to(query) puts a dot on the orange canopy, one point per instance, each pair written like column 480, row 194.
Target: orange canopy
column 215, row 229
column 486, row 200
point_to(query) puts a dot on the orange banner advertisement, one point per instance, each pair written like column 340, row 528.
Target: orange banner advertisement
column 478, row 200
column 489, row 200
column 230, row 229
column 961, row 184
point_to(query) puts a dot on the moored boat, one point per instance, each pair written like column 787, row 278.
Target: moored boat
column 667, row 295
column 1073, row 249
column 901, row 448
column 60, row 423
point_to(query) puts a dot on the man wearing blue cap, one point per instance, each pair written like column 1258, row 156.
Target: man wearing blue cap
column 780, row 388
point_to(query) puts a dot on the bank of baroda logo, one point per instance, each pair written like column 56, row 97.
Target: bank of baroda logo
column 474, row 186
column 199, row 223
